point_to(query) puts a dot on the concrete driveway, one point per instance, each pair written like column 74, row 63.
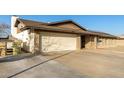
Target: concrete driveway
column 84, row 63
column 96, row 63
column 29, row 66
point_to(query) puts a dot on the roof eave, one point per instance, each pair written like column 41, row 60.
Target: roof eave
column 66, row 21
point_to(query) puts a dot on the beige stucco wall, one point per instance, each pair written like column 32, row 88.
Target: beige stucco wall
column 78, row 42
column 13, row 28
column 23, row 36
column 31, row 42
column 27, row 38
column 51, row 41
column 37, row 41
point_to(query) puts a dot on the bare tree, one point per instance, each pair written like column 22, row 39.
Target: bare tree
column 4, row 26
column 4, row 29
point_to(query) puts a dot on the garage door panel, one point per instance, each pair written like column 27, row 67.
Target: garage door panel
column 57, row 42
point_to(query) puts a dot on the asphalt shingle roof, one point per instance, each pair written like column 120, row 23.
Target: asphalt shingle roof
column 51, row 27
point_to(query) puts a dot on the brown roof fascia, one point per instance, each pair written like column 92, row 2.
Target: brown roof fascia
column 120, row 38
column 66, row 21
column 18, row 21
column 28, row 22
column 103, row 34
column 32, row 21
column 56, row 29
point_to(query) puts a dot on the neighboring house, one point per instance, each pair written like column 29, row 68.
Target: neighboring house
column 3, row 35
column 5, row 44
column 58, row 36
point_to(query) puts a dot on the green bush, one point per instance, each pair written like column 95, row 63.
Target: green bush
column 16, row 48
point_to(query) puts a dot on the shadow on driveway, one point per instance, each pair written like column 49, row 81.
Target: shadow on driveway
column 38, row 64
column 17, row 57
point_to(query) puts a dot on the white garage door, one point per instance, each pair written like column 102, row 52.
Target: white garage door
column 57, row 41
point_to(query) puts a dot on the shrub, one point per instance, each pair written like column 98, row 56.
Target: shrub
column 16, row 47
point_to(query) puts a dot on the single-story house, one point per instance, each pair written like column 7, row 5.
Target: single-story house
column 58, row 36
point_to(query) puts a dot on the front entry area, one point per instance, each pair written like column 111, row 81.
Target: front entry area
column 82, row 42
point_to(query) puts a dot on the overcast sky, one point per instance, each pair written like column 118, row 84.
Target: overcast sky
column 110, row 24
